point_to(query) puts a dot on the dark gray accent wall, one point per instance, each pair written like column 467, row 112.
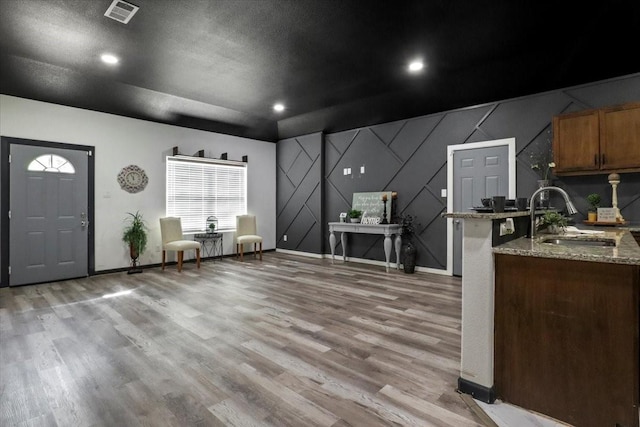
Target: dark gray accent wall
column 409, row 156
column 299, row 186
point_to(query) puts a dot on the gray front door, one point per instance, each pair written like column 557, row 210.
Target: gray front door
column 477, row 173
column 48, row 202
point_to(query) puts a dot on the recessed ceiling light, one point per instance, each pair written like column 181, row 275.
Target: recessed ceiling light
column 416, row 66
column 107, row 58
column 278, row 107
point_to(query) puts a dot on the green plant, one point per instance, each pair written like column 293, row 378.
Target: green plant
column 212, row 227
column 135, row 233
column 594, row 200
column 354, row 213
column 551, row 219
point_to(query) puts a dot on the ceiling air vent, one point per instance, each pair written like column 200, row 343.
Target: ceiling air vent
column 121, row 11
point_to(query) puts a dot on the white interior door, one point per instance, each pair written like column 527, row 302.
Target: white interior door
column 48, row 201
column 477, row 170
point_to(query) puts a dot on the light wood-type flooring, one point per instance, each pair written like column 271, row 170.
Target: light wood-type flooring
column 287, row 341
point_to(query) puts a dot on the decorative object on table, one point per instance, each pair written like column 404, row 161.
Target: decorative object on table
column 607, row 215
column 212, row 224
column 371, row 203
column 542, row 162
column 135, row 235
column 552, row 223
column 370, row 220
column 343, row 217
column 594, row 202
column 522, row 203
column 354, row 215
column 384, row 212
column 614, row 180
column 407, row 221
column 132, row 179
column 498, row 203
column 486, row 202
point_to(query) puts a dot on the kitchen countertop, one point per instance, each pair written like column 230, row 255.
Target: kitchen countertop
column 489, row 215
column 626, row 250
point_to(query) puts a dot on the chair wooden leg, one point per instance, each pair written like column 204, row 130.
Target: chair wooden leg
column 260, row 251
column 180, row 257
column 164, row 255
column 255, row 250
column 241, row 251
column 198, row 257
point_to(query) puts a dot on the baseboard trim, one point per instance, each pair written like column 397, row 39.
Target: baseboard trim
column 301, row 253
column 480, row 392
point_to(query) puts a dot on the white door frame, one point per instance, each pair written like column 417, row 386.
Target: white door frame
column 451, row 149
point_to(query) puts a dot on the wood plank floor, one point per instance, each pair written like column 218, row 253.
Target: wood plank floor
column 289, row 341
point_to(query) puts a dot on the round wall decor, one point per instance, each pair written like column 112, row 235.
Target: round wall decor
column 132, row 179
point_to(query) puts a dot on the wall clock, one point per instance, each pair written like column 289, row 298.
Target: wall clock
column 132, row 179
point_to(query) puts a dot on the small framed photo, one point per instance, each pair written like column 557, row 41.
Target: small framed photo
column 343, row 217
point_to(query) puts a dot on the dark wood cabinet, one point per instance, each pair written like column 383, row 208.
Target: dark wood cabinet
column 566, row 339
column 597, row 141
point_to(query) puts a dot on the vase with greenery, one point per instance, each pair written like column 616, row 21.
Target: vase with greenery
column 409, row 251
column 552, row 222
column 135, row 236
column 594, row 203
column 354, row 215
column 542, row 162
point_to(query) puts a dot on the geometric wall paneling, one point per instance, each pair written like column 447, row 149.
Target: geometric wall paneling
column 299, row 193
column 409, row 157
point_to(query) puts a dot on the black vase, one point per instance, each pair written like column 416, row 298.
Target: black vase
column 409, row 261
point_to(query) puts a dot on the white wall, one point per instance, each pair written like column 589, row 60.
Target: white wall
column 121, row 141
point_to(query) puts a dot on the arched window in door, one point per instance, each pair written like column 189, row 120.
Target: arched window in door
column 51, row 163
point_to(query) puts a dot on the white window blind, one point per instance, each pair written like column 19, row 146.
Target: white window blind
column 197, row 189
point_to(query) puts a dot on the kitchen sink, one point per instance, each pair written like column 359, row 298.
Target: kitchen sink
column 579, row 242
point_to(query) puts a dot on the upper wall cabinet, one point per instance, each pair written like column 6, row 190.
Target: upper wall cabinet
column 597, row 141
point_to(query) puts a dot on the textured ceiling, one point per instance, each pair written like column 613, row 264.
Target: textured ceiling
column 335, row 64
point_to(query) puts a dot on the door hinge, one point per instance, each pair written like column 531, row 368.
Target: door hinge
column 89, row 153
column 9, row 158
column 9, row 214
column 9, row 270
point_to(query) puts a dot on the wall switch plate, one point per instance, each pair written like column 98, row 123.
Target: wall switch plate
column 443, row 192
column 362, row 169
column 348, row 171
column 284, row 237
column 345, row 171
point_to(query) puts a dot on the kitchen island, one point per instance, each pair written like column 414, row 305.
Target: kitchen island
column 567, row 326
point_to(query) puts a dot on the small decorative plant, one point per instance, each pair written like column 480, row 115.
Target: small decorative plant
column 212, row 227
column 354, row 213
column 553, row 222
column 594, row 200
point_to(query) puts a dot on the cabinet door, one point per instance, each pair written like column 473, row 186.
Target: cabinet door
column 620, row 137
column 576, row 144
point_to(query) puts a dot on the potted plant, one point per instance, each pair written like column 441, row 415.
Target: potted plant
column 354, row 215
column 594, row 200
column 135, row 235
column 409, row 249
column 552, row 222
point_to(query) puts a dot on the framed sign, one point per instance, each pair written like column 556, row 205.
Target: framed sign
column 371, row 204
column 607, row 215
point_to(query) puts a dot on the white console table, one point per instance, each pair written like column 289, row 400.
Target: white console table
column 387, row 229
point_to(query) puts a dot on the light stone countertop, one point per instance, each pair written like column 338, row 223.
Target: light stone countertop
column 626, row 250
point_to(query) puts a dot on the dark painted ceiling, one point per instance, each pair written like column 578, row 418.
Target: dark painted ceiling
column 335, row 64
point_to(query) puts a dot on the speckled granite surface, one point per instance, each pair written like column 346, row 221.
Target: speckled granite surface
column 477, row 215
column 626, row 250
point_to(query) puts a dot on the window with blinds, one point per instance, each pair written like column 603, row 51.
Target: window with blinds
column 199, row 188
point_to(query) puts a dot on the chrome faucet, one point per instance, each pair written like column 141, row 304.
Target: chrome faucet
column 571, row 209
